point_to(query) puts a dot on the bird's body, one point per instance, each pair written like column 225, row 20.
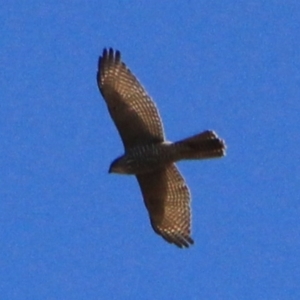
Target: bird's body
column 144, row 159
column 148, row 155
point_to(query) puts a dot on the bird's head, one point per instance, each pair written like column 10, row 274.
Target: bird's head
column 121, row 165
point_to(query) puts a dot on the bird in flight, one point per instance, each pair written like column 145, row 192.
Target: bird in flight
column 148, row 155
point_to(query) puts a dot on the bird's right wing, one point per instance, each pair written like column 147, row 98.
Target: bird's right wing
column 134, row 113
column 167, row 199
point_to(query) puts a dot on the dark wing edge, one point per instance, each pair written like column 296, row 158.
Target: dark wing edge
column 167, row 200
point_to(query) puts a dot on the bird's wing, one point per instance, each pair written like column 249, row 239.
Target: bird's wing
column 134, row 113
column 167, row 199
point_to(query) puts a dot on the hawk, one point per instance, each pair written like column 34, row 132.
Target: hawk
column 148, row 155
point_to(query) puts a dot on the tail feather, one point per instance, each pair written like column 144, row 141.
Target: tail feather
column 204, row 145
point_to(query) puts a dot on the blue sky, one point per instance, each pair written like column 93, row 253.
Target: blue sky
column 69, row 230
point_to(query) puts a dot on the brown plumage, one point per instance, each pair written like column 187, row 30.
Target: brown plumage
column 147, row 154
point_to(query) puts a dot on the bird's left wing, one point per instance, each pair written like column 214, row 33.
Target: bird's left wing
column 132, row 110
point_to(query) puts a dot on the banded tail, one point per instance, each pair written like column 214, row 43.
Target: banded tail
column 201, row 146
